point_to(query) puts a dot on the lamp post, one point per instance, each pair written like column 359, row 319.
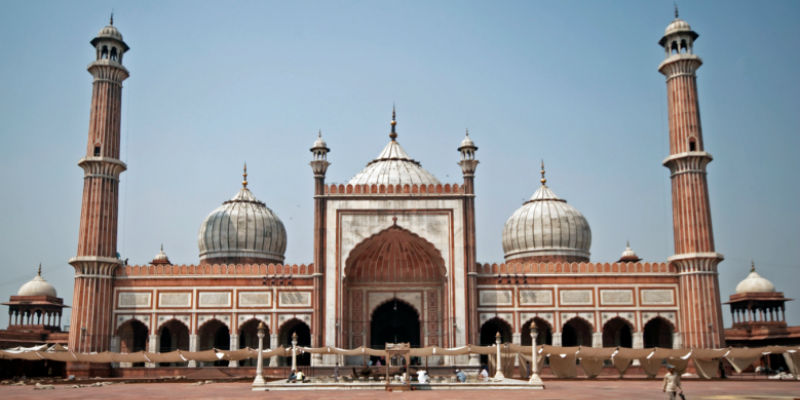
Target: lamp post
column 294, row 351
column 498, row 374
column 535, row 380
column 258, row 382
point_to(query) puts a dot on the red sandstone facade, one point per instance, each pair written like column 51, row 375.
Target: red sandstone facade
column 398, row 249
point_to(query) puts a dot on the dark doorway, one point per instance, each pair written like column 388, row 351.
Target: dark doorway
column 248, row 337
column 544, row 335
column 489, row 331
column 303, row 339
column 394, row 322
column 576, row 332
column 658, row 333
column 215, row 335
column 617, row 333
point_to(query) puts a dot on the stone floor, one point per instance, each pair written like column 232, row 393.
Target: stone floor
column 555, row 389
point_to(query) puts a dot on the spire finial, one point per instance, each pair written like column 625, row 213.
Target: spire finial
column 244, row 176
column 319, row 134
column 752, row 266
column 676, row 9
column 111, row 20
column 467, row 132
column 543, row 180
column 40, row 269
column 627, row 243
column 393, row 135
column 162, row 247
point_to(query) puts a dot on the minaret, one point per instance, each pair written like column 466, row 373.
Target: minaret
column 319, row 165
column 695, row 257
column 468, row 165
column 97, row 258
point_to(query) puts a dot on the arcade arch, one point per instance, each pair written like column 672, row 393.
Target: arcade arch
column 248, row 337
column 544, row 335
column 617, row 332
column 576, row 332
column 658, row 333
column 214, row 334
column 285, row 332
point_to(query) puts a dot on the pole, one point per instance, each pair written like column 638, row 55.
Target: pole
column 535, row 379
column 498, row 374
column 258, row 382
column 294, row 351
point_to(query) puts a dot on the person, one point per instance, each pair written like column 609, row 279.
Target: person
column 292, row 377
column 460, row 375
column 336, row 372
column 422, row 376
column 300, row 376
column 672, row 383
column 484, row 374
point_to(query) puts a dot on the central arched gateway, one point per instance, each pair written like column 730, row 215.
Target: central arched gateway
column 394, row 291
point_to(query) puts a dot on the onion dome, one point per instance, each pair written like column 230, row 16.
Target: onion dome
column 393, row 166
column 37, row 287
column 754, row 283
column 161, row 258
column 628, row 255
column 242, row 230
column 467, row 142
column 546, row 229
column 320, row 144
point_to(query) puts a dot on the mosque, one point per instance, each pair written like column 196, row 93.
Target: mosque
column 394, row 255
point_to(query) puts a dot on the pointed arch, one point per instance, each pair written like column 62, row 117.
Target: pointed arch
column 618, row 332
column 658, row 332
column 576, row 332
column 544, row 332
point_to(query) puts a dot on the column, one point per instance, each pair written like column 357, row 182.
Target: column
column 152, row 347
column 638, row 340
column 234, row 345
column 273, row 344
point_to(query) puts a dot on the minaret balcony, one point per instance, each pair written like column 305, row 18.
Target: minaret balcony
column 104, row 167
column 688, row 162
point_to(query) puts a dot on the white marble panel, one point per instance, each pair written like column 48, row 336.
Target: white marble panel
column 658, row 297
column 134, row 299
column 495, row 298
column 622, row 297
column 581, row 297
column 294, row 299
column 255, row 299
column 536, row 297
column 174, row 299
column 214, row 299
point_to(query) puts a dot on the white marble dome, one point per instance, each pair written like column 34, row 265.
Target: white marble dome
column 37, row 287
column 545, row 229
column 109, row 32
column 393, row 166
column 242, row 230
column 677, row 25
column 754, row 283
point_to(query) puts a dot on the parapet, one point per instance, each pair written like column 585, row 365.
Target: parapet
column 438, row 189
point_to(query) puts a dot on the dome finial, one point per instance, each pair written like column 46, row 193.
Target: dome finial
column 752, row 266
column 319, row 134
column 111, row 20
column 543, row 180
column 40, row 269
column 162, row 247
column 467, row 132
column 393, row 135
column 244, row 176
column 676, row 9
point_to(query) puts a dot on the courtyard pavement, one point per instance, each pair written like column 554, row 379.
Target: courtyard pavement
column 556, row 389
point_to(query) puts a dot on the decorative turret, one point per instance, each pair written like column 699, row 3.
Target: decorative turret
column 468, row 162
column 319, row 162
column 628, row 255
column 161, row 258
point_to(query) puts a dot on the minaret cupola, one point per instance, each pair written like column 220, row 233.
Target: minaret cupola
column 109, row 43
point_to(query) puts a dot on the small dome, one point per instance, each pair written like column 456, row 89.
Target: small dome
column 242, row 230
column 467, row 142
column 393, row 166
column 546, row 229
column 109, row 32
column 628, row 255
column 37, row 287
column 161, row 257
column 754, row 283
column 319, row 143
column 677, row 25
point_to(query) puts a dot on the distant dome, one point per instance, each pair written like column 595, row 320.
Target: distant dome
column 37, row 287
column 546, row 229
column 393, row 166
column 467, row 142
column 161, row 257
column 754, row 283
column 319, row 143
column 628, row 255
column 242, row 230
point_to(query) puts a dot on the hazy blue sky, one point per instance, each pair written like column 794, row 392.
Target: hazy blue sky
column 214, row 84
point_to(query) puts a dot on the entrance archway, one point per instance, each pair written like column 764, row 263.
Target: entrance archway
column 576, row 332
column 544, row 335
column 394, row 322
column 617, row 333
column 395, row 264
column 303, row 339
column 658, row 333
column 132, row 336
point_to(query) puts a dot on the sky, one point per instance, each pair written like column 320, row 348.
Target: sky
column 574, row 83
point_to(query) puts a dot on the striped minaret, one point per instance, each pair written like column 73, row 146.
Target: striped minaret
column 699, row 306
column 91, row 323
